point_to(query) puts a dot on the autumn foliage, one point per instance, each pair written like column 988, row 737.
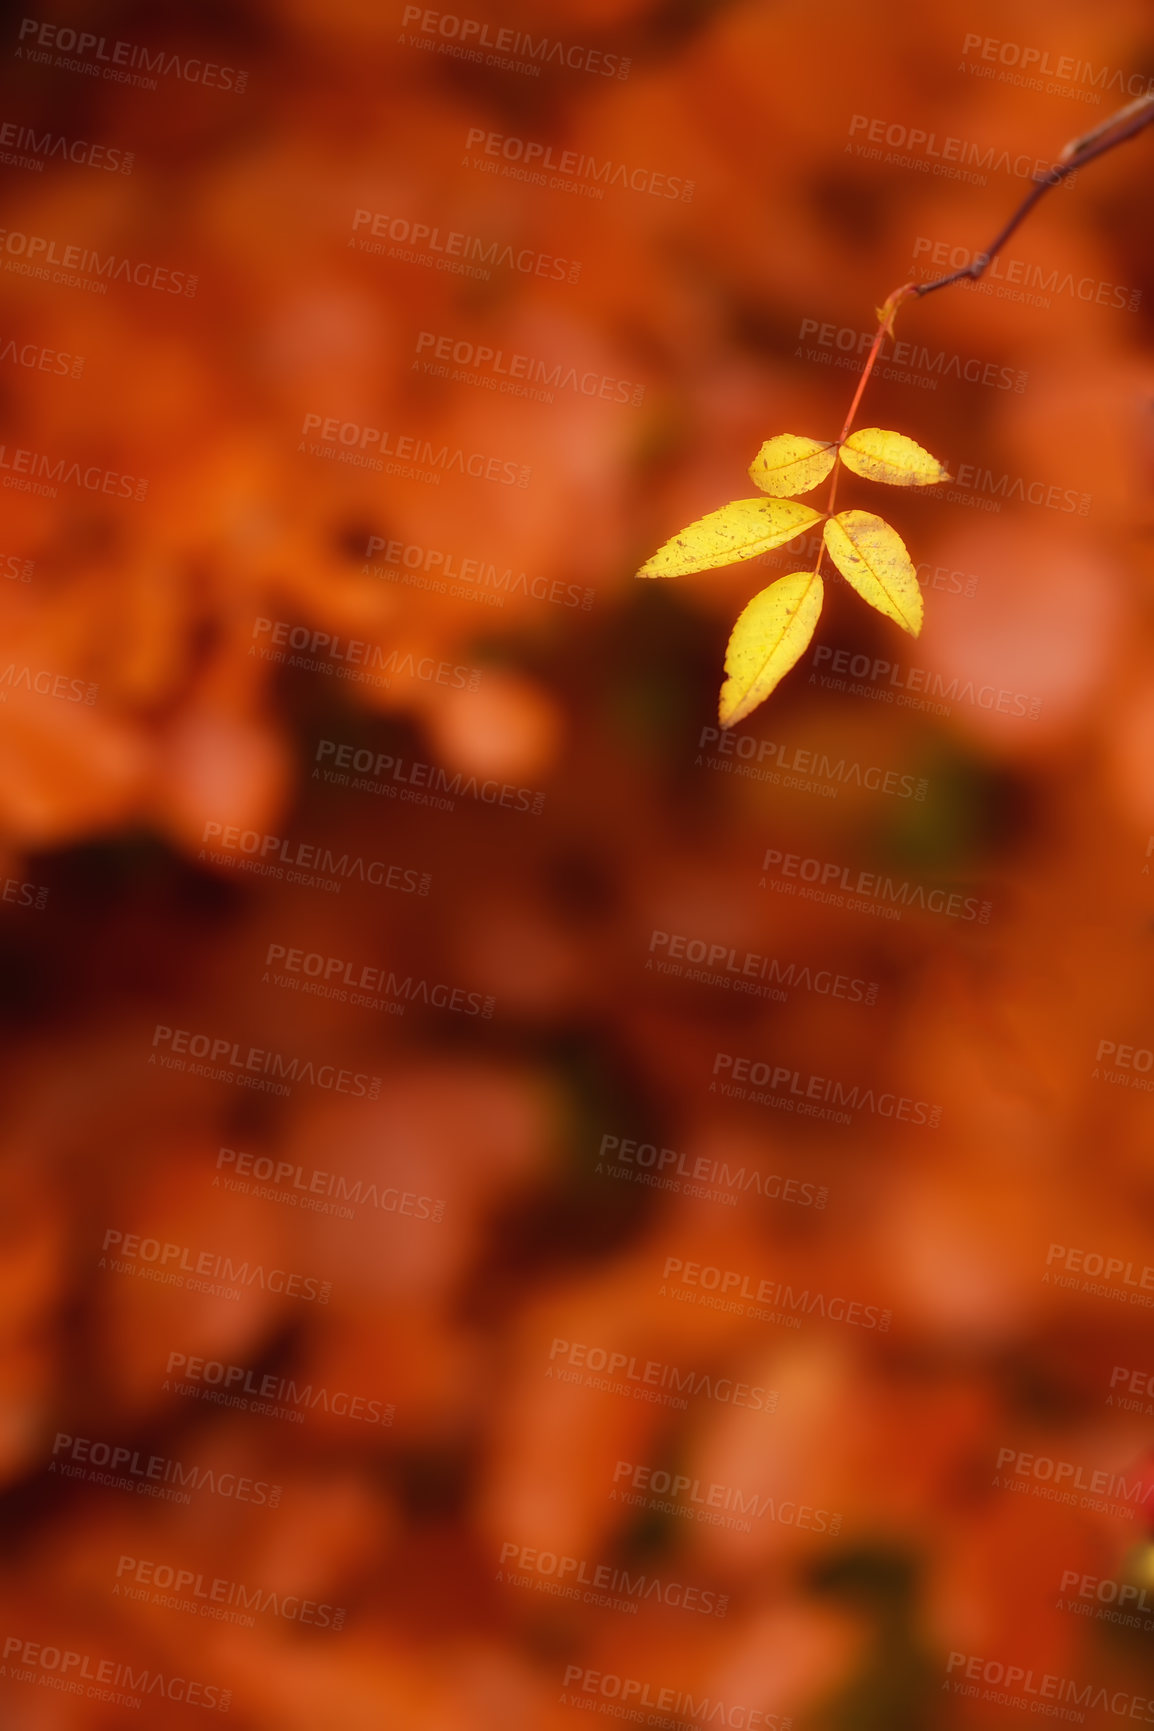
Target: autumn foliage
column 775, row 629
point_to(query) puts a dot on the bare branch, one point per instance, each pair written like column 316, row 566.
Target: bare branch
column 1121, row 126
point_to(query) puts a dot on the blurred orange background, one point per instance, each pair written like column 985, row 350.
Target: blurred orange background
column 514, row 1204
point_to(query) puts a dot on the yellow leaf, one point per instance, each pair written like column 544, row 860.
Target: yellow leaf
column 738, row 531
column 881, row 456
column 873, row 558
column 770, row 635
column 791, row 464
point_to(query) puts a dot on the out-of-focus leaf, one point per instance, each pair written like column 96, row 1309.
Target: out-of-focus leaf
column 790, row 464
column 770, row 635
column 738, row 531
column 873, row 558
column 880, row 456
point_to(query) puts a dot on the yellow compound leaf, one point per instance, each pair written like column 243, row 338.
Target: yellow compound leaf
column 791, row 464
column 738, row 531
column 880, row 456
column 768, row 638
column 873, row 558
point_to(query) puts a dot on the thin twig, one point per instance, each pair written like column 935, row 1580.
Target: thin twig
column 1125, row 124
column 1116, row 130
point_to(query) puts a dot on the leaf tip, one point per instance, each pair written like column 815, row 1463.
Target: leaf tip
column 729, row 710
column 657, row 565
column 911, row 622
